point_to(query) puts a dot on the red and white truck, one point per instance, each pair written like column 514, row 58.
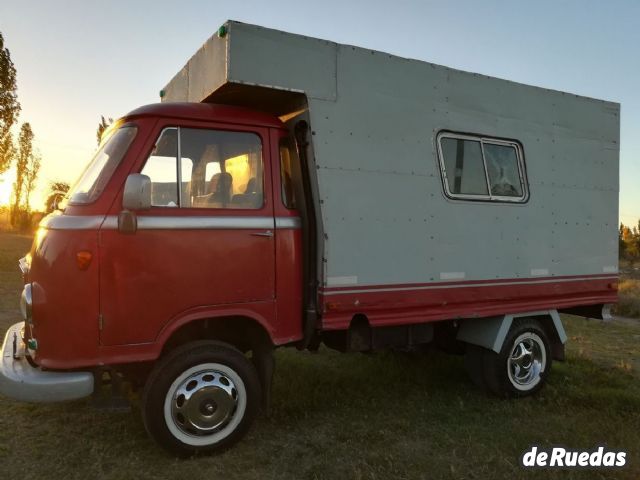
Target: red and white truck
column 290, row 191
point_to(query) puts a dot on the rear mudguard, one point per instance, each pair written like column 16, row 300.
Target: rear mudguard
column 491, row 332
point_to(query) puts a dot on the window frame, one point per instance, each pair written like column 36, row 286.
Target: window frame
column 484, row 139
column 111, row 130
column 177, row 162
column 221, row 128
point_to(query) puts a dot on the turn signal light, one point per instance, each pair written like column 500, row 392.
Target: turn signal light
column 83, row 259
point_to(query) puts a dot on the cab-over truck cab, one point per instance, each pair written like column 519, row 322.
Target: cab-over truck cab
column 177, row 229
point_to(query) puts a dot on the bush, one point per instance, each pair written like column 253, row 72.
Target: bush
column 629, row 298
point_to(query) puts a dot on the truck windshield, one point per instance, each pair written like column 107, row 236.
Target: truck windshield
column 96, row 175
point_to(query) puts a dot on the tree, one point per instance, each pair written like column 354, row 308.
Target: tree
column 57, row 191
column 31, row 175
column 102, row 126
column 629, row 242
column 23, row 160
column 9, row 106
column 622, row 246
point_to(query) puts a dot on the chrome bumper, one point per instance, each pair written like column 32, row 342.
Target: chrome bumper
column 21, row 381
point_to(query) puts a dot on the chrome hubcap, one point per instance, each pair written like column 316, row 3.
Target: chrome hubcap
column 204, row 403
column 527, row 361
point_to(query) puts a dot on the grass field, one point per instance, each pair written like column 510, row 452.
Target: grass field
column 629, row 290
column 354, row 416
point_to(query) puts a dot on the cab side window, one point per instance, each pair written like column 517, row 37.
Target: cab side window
column 214, row 168
column 161, row 168
column 287, row 153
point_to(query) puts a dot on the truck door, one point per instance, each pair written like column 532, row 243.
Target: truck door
column 207, row 241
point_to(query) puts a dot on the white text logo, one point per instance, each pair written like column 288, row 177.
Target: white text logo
column 562, row 457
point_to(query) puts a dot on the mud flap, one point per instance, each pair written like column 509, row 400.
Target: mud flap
column 264, row 361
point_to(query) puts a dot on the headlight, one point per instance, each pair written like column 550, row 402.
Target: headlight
column 26, row 303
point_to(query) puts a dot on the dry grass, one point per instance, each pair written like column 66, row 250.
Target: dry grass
column 628, row 298
column 353, row 416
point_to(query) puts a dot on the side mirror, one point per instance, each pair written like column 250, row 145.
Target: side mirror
column 137, row 192
column 137, row 196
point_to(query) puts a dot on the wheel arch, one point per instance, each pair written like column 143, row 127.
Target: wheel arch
column 491, row 332
column 241, row 328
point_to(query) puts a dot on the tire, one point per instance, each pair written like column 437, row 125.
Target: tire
column 522, row 366
column 201, row 398
column 473, row 362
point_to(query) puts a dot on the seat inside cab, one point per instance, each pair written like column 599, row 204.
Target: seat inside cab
column 218, row 169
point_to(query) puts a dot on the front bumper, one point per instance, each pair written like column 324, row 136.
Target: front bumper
column 21, row 381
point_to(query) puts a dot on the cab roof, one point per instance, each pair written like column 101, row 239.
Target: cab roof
column 207, row 111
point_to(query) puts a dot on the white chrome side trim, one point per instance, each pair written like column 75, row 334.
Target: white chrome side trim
column 93, row 222
column 73, row 222
column 288, row 222
column 463, row 285
column 203, row 223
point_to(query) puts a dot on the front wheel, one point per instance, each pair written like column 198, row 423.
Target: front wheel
column 201, row 398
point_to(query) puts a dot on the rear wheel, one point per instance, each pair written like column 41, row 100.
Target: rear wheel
column 521, row 367
column 201, row 398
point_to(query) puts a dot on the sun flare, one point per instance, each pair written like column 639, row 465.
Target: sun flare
column 6, row 184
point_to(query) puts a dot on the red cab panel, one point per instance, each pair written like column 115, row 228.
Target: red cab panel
column 211, row 243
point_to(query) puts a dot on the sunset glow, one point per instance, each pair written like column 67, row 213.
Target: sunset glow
column 6, row 184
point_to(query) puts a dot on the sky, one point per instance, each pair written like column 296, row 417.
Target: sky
column 77, row 60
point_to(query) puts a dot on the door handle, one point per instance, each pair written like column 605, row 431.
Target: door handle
column 268, row 233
